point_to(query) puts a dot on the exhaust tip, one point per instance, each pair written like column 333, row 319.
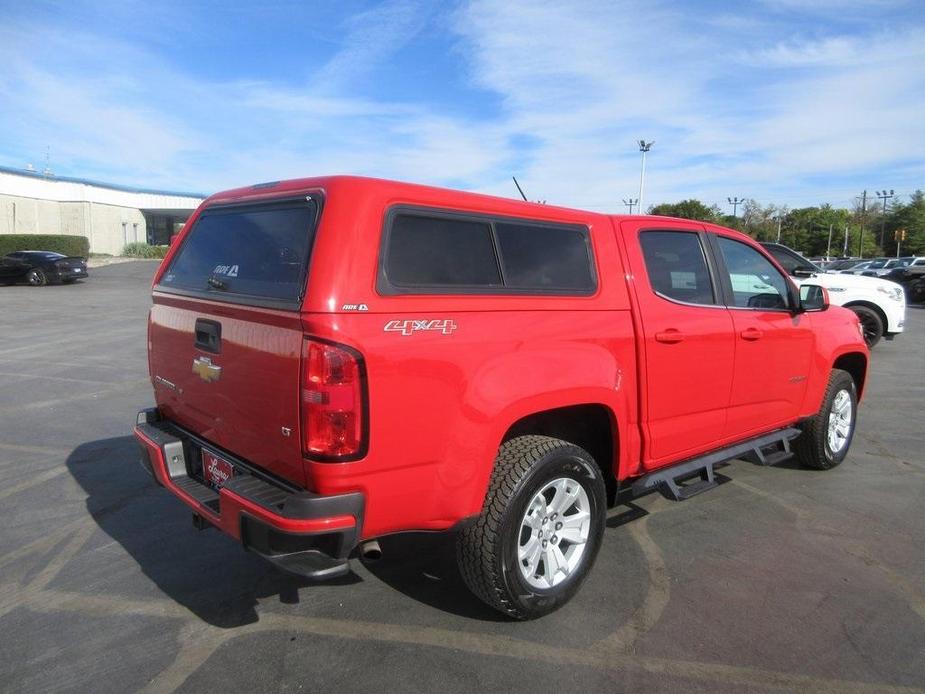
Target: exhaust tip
column 371, row 551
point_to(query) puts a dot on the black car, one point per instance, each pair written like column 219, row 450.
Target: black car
column 41, row 267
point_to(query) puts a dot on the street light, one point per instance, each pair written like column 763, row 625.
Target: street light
column 644, row 147
column 629, row 203
column 735, row 202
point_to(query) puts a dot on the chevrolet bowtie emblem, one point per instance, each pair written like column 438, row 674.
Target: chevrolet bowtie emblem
column 206, row 370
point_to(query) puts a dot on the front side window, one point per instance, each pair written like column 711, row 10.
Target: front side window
column 677, row 266
column 756, row 283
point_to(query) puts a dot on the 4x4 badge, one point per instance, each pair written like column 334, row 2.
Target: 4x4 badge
column 406, row 327
column 206, row 370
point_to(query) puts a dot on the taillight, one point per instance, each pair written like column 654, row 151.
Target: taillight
column 333, row 402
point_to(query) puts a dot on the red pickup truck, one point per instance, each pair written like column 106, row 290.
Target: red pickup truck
column 337, row 359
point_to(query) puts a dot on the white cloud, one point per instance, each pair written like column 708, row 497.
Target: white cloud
column 735, row 107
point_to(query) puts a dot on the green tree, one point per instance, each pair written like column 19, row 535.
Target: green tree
column 687, row 209
column 911, row 217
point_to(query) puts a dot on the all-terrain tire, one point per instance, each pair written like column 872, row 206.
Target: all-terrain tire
column 813, row 448
column 487, row 550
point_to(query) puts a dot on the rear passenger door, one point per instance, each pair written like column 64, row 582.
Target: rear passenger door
column 686, row 343
column 774, row 344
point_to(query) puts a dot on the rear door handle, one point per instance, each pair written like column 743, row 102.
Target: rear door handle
column 669, row 336
column 751, row 334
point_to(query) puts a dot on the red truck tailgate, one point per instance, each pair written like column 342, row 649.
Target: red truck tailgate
column 225, row 333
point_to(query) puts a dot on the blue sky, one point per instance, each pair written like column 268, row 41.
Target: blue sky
column 793, row 102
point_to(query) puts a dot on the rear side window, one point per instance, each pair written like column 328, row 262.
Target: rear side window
column 443, row 253
column 677, row 266
column 253, row 254
column 541, row 257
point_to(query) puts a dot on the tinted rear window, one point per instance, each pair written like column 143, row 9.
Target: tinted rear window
column 543, row 257
column 256, row 252
column 443, row 253
column 430, row 251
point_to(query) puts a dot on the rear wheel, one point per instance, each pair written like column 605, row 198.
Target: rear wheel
column 870, row 322
column 36, row 278
column 539, row 530
column 827, row 437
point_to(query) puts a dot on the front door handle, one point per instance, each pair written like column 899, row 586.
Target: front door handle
column 669, row 336
column 751, row 334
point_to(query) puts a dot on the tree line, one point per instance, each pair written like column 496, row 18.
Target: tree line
column 807, row 229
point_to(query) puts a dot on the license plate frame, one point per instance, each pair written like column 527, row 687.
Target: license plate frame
column 216, row 470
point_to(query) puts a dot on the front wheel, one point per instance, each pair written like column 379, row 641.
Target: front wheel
column 36, row 278
column 871, row 323
column 539, row 530
column 827, row 436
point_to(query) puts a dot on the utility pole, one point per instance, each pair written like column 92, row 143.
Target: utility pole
column 735, row 202
column 828, row 249
column 863, row 214
column 778, row 228
column 884, row 196
column 629, row 203
column 644, row 147
column 845, row 249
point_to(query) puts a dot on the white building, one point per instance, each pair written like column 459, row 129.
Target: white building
column 109, row 215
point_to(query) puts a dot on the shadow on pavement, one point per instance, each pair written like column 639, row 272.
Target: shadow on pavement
column 209, row 573
column 423, row 567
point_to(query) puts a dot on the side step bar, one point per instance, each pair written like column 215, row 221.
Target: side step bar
column 671, row 480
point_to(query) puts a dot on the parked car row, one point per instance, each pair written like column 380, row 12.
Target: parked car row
column 38, row 268
column 879, row 304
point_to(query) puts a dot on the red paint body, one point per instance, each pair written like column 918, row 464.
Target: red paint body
column 440, row 402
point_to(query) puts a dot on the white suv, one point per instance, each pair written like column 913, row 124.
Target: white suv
column 879, row 304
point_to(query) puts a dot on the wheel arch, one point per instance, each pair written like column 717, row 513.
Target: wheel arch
column 855, row 363
column 592, row 426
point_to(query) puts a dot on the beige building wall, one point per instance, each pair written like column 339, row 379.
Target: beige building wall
column 108, row 227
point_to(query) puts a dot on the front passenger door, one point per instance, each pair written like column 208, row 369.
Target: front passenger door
column 774, row 343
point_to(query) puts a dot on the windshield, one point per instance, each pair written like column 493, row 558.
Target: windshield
column 236, row 253
column 877, row 264
column 790, row 260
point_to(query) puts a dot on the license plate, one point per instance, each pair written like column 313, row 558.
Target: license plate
column 216, row 471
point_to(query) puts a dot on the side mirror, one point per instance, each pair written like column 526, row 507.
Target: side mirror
column 813, row 298
column 803, row 272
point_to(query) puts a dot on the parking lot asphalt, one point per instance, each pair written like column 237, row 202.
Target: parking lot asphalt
column 781, row 579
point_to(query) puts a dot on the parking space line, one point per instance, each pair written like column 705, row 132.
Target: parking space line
column 39, row 404
column 62, row 379
column 44, row 450
column 474, row 643
column 33, row 481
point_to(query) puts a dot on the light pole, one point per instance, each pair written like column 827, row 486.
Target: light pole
column 629, row 203
column 884, row 196
column 644, row 147
column 735, row 202
column 778, row 227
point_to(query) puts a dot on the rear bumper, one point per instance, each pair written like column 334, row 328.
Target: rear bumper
column 300, row 532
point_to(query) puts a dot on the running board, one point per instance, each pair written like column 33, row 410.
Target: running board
column 671, row 481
